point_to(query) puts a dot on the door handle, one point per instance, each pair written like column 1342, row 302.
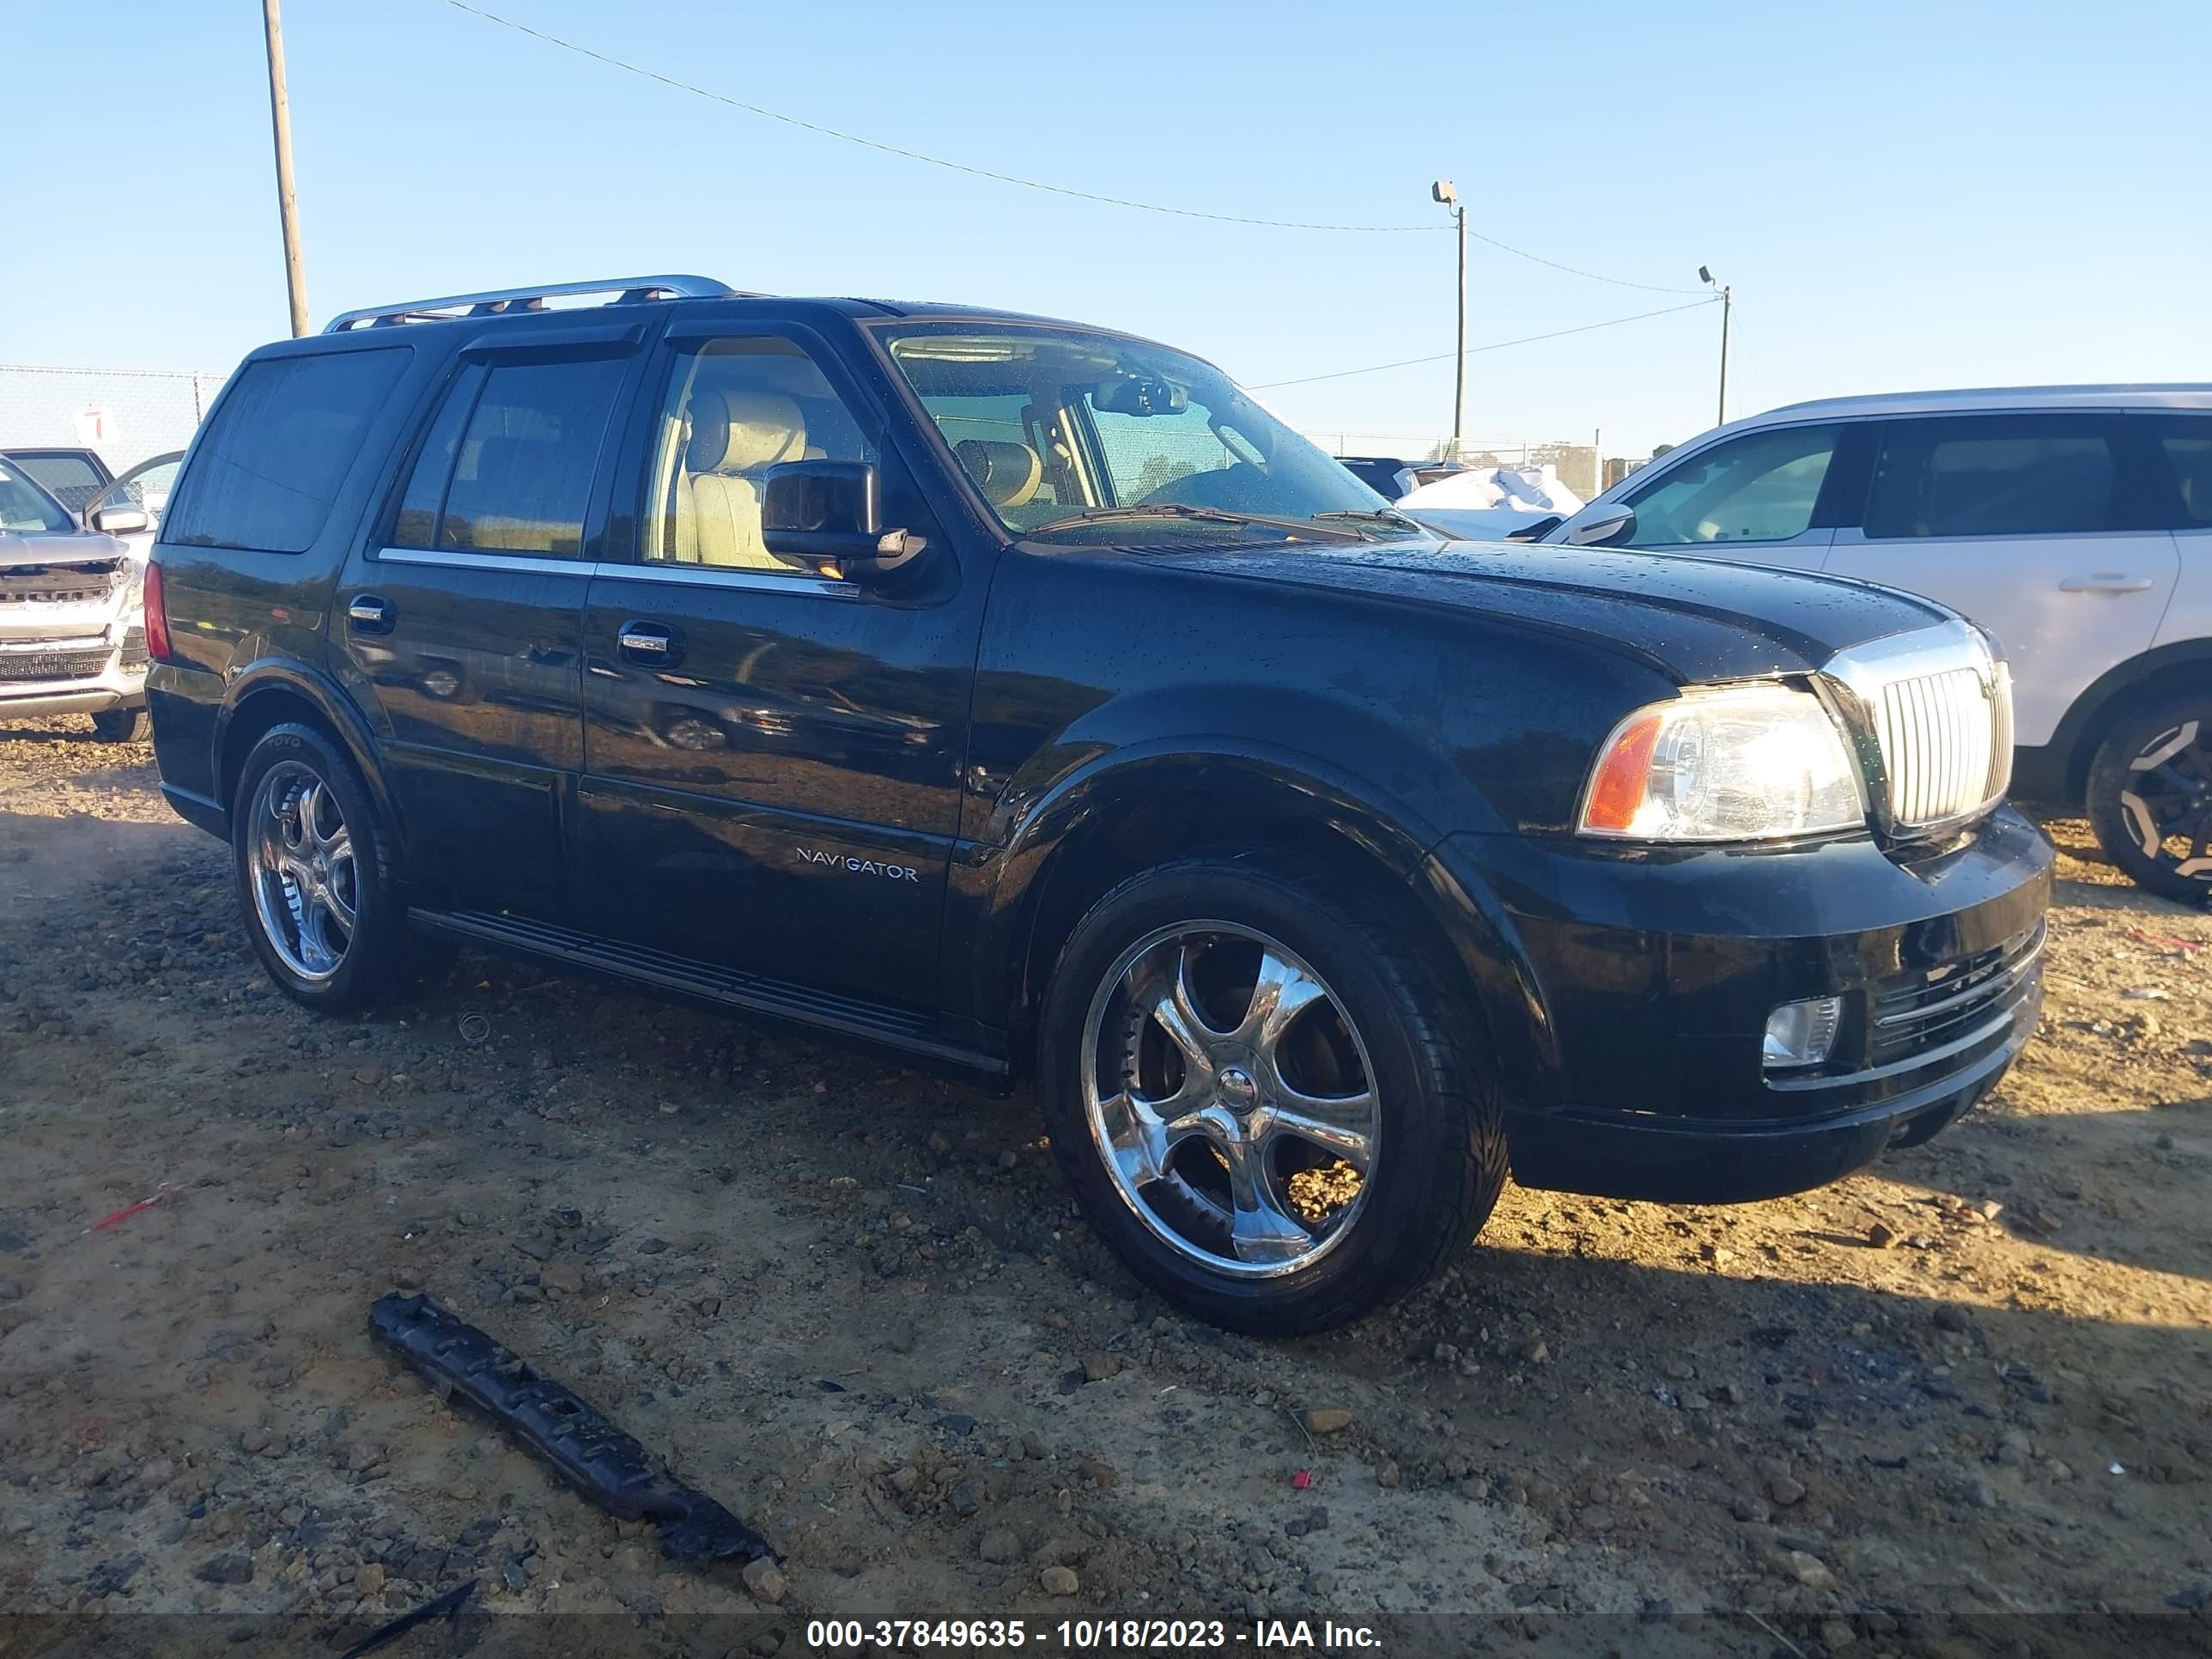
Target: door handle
column 2105, row 582
column 369, row 614
column 652, row 643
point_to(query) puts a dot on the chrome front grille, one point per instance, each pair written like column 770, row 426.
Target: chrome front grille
column 1946, row 745
column 1937, row 707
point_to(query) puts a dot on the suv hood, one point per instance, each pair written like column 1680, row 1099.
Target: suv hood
column 19, row 548
column 1693, row 619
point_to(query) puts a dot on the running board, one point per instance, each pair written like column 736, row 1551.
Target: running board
column 727, row 987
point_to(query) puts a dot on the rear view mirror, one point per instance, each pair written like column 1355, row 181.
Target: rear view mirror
column 121, row 520
column 823, row 517
column 1140, row 397
column 1610, row 527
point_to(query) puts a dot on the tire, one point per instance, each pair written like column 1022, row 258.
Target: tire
column 317, row 878
column 2150, row 797
column 1377, row 1021
column 120, row 725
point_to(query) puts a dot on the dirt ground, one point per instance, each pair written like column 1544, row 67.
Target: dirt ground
column 1961, row 1404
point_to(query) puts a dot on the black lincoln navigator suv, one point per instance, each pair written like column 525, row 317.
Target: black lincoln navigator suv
column 1024, row 698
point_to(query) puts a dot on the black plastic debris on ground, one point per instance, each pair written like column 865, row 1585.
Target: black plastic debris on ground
column 608, row 1465
column 447, row 1605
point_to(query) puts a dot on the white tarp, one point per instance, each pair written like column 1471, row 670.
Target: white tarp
column 1490, row 501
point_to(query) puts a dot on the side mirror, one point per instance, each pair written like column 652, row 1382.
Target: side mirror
column 1611, row 527
column 823, row 517
column 121, row 520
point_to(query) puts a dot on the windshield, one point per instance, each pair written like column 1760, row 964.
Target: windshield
column 27, row 509
column 1061, row 429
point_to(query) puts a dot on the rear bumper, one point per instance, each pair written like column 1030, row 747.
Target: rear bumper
column 1648, row 978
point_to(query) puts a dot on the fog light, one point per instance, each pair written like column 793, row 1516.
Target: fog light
column 1802, row 1033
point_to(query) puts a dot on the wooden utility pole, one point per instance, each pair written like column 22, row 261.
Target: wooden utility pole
column 287, row 206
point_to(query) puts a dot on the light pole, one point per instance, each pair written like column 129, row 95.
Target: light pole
column 1443, row 193
column 288, row 207
column 1706, row 275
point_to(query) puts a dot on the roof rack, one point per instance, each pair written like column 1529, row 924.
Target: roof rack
column 500, row 302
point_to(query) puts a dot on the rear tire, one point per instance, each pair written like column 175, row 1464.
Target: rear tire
column 317, row 879
column 1273, row 1174
column 2150, row 797
column 120, row 725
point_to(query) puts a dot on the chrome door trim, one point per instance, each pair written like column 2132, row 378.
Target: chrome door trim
column 540, row 565
column 707, row 575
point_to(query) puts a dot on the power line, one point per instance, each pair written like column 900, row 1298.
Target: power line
column 1495, row 345
column 881, row 148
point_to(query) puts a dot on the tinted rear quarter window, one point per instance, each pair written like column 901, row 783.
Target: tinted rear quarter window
column 508, row 464
column 1994, row 474
column 2186, row 442
column 278, row 448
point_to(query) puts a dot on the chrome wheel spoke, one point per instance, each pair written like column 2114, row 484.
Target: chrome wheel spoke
column 1142, row 1138
column 1343, row 1128
column 1261, row 1228
column 1168, row 999
column 1283, row 992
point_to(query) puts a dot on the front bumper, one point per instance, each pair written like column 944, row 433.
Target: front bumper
column 93, row 675
column 1647, row 977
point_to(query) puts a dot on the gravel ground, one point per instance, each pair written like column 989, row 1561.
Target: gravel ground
column 1961, row 1404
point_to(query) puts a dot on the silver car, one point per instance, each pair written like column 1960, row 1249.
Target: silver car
column 72, row 638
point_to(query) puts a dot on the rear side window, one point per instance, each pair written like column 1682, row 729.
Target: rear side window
column 2186, row 441
column 276, row 451
column 72, row 480
column 1994, row 474
column 508, row 464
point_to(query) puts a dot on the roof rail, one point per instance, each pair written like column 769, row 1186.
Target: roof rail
column 499, row 302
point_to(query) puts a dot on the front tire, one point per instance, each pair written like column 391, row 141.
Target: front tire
column 318, row 881
column 1266, row 1101
column 2150, row 797
column 118, row 724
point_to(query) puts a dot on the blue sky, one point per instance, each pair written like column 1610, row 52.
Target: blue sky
column 1928, row 194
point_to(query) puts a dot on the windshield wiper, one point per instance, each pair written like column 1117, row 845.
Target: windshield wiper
column 1206, row 514
column 1386, row 515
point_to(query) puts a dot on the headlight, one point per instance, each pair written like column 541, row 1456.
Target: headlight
column 1731, row 764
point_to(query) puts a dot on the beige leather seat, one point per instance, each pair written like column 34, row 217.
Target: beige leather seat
column 1008, row 474
column 731, row 445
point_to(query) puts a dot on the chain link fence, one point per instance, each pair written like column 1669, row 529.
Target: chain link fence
column 125, row 414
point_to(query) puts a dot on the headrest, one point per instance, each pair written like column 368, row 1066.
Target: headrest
column 1007, row 473
column 742, row 431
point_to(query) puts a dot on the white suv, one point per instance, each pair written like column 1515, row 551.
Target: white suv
column 2074, row 523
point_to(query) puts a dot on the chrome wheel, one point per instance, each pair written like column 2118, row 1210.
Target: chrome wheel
column 306, row 884
column 2167, row 801
column 1230, row 1098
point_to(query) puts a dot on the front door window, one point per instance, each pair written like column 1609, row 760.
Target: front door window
column 1761, row 487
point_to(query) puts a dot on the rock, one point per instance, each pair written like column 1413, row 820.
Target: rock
column 905, row 1480
column 232, row 1567
column 902, row 1335
column 1032, row 1443
column 368, row 1578
column 1098, row 1367
column 256, row 1438
column 1982, row 1494
column 1881, row 1237
column 1948, row 1318
column 1059, row 1580
column 1785, row 1491
column 650, row 1246
column 1328, row 1419
column 766, row 1581
column 1728, row 1394
column 1389, row 1476
column 1809, row 1571
column 999, row 1546
column 536, row 1249
column 1098, row 1473
column 1836, row 1635
column 967, row 1498
column 1748, row 1508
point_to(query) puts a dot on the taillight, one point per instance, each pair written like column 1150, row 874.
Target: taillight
column 157, row 618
